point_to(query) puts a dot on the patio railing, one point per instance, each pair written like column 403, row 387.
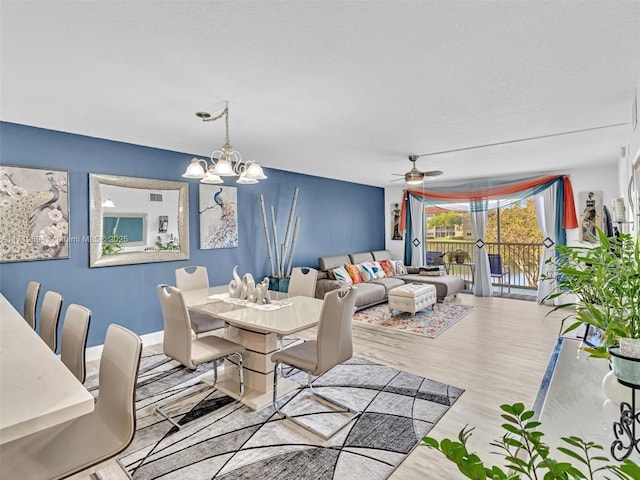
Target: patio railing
column 522, row 260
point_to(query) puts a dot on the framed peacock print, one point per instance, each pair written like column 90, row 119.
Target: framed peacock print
column 34, row 214
column 218, row 217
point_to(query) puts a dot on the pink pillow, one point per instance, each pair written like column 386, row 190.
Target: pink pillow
column 387, row 267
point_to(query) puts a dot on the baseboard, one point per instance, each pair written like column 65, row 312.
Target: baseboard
column 94, row 353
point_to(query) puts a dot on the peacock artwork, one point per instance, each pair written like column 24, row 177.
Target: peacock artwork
column 218, row 217
column 34, row 214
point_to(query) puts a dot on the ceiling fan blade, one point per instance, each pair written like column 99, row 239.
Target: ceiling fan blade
column 398, row 174
column 433, row 173
column 396, row 179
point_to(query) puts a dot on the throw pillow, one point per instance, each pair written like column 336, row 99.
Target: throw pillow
column 341, row 274
column 377, row 270
column 354, row 273
column 387, row 267
column 366, row 272
column 399, row 267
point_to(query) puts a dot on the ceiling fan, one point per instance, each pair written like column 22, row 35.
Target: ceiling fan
column 415, row 176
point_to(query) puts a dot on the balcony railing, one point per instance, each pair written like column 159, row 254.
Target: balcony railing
column 522, row 260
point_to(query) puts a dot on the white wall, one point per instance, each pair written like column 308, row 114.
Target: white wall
column 631, row 157
column 602, row 179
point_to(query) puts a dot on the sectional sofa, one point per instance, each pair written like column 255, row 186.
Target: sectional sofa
column 376, row 291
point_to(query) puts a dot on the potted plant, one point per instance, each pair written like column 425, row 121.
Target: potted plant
column 458, row 256
column 605, row 281
column 527, row 456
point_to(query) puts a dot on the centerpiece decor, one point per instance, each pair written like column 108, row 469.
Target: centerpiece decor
column 245, row 288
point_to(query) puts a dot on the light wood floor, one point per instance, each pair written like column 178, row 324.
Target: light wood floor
column 498, row 354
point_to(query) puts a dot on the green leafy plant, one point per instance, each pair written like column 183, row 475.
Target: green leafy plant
column 458, row 255
column 527, row 456
column 605, row 279
column 110, row 246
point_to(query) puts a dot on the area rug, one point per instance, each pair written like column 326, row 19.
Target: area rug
column 223, row 439
column 426, row 322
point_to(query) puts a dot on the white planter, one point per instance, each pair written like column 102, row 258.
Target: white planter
column 626, row 369
column 630, row 347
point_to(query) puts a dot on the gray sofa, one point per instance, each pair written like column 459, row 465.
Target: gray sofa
column 376, row 291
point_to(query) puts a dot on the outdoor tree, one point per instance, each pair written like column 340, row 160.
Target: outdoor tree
column 518, row 230
column 446, row 220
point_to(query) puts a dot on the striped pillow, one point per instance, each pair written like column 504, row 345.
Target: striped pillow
column 377, row 270
column 341, row 274
column 399, row 267
column 366, row 272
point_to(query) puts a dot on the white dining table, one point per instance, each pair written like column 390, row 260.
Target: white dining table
column 259, row 332
column 37, row 390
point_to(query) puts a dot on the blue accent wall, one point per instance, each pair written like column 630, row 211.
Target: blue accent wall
column 336, row 217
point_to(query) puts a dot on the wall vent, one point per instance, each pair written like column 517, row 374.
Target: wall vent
column 155, row 197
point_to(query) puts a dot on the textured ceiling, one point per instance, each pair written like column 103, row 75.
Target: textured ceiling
column 338, row 89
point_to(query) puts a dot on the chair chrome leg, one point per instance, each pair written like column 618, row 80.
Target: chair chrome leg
column 240, row 375
column 160, row 408
column 330, row 401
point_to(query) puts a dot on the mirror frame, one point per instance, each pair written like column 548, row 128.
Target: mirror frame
column 96, row 259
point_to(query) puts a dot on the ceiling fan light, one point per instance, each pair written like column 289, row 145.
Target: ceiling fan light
column 414, row 178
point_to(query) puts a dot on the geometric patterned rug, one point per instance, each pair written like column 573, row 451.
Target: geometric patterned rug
column 427, row 322
column 223, row 439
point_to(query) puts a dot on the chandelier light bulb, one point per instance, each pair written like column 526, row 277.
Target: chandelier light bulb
column 194, row 169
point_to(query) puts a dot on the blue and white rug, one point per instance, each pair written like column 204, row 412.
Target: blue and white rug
column 223, row 439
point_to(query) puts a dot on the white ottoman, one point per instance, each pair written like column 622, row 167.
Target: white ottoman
column 412, row 297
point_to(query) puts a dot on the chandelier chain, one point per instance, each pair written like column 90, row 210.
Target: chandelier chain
column 225, row 114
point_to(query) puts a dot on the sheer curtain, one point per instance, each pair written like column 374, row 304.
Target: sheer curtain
column 546, row 209
column 481, row 272
column 417, row 230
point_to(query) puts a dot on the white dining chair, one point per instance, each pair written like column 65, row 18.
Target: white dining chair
column 73, row 343
column 333, row 346
column 192, row 278
column 178, row 344
column 49, row 317
column 70, row 447
column 303, row 282
column 30, row 303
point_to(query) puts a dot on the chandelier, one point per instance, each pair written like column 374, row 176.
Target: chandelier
column 225, row 162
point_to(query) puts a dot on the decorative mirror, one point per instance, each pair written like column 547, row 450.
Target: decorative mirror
column 137, row 220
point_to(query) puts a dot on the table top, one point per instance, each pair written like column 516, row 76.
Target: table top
column 575, row 403
column 303, row 313
column 36, row 389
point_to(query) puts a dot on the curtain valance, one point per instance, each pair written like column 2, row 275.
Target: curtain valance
column 477, row 194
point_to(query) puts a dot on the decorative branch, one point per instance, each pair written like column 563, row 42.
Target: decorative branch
column 266, row 234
